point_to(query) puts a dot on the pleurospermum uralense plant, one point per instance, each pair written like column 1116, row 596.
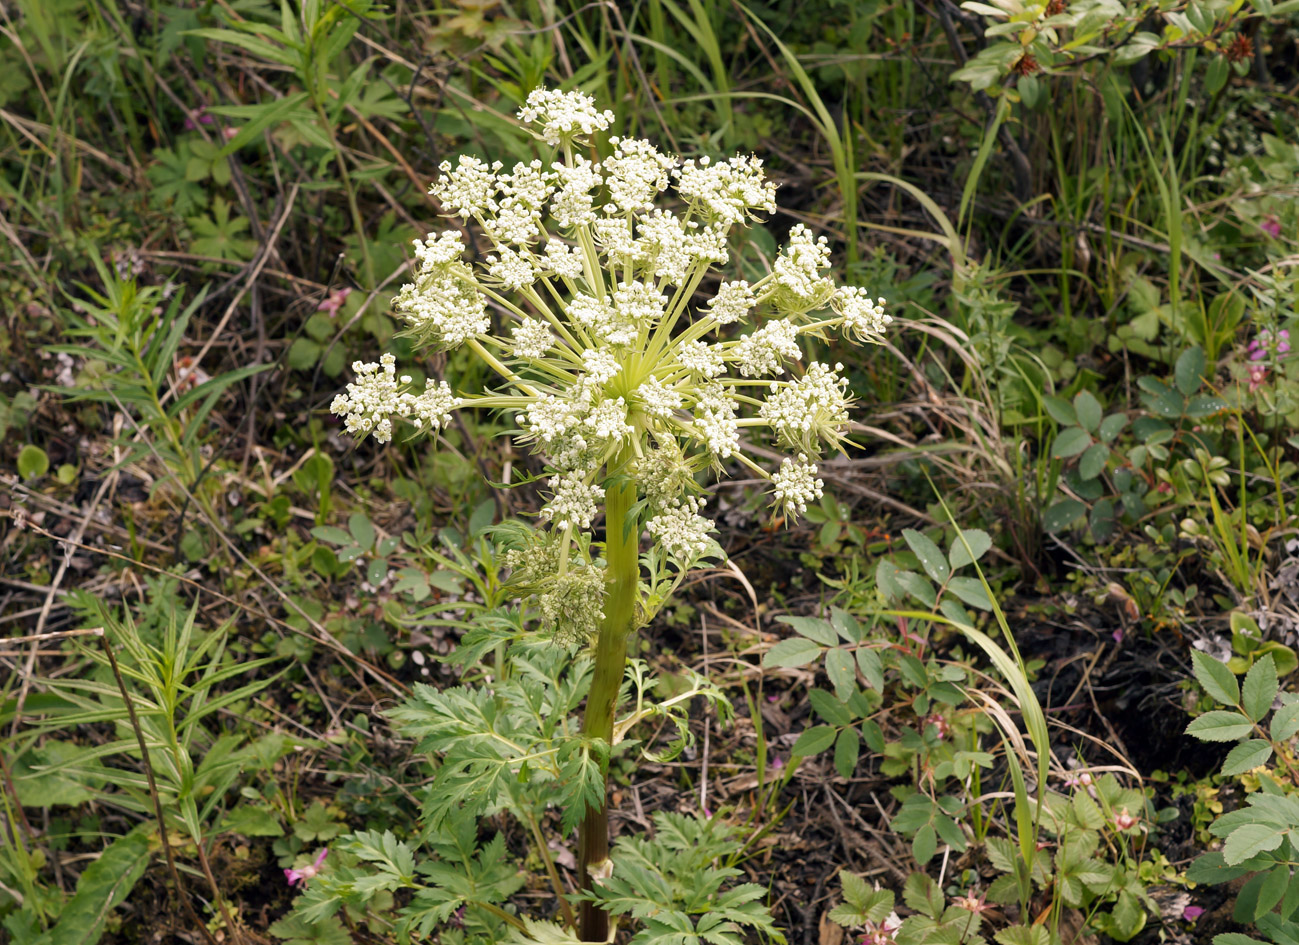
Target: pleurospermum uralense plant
column 631, row 391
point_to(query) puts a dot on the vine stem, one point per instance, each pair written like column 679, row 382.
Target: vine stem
column 622, row 578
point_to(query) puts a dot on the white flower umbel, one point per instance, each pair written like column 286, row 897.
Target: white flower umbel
column 681, row 530
column 622, row 325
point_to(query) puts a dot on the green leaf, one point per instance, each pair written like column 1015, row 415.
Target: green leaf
column 933, row 561
column 1220, row 726
column 1112, row 426
column 1218, row 681
column 979, row 542
column 1247, row 756
column 925, row 844
column 1024, row 935
column 814, row 628
column 788, row 653
column 872, row 668
column 361, row 529
column 814, row 740
column 1249, row 840
column 32, row 462
column 331, row 534
column 303, row 354
column 1235, row 938
column 1088, row 409
column 1093, row 461
column 846, row 750
column 1060, row 410
column 829, row 708
column 1063, row 514
column 916, row 585
column 922, row 894
column 1189, row 371
column 253, row 821
column 971, row 591
column 1260, row 688
column 842, row 670
column 105, row 884
column 1070, row 442
column 1273, row 888
column 1286, row 722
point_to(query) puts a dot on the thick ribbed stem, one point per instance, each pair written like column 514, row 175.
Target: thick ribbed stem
column 622, row 575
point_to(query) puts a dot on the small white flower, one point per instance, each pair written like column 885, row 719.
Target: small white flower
column 532, row 339
column 664, row 246
column 765, row 350
column 732, row 303
column 681, row 530
column 702, row 359
column 808, row 409
column 657, row 400
column 523, row 199
column 370, row 399
column 796, row 485
column 563, row 260
column 563, row 114
column 798, row 267
column 514, row 270
column 468, row 189
column 607, row 421
column 601, row 365
column 575, row 503
column 715, row 421
column 431, row 410
column 728, row 192
column 636, row 174
column 444, row 303
column 574, row 202
column 862, row 318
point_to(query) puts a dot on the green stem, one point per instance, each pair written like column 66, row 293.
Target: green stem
column 622, row 576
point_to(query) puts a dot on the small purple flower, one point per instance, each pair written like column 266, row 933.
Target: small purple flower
column 1257, row 375
column 1271, row 226
column 200, row 117
column 1191, row 913
column 1261, row 346
column 307, row 872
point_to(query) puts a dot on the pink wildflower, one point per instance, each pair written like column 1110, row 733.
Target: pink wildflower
column 1124, row 821
column 972, row 903
column 334, row 301
column 940, row 725
column 1263, row 345
column 307, row 872
column 1191, row 913
column 883, row 933
column 1257, row 375
column 196, row 118
column 1271, row 226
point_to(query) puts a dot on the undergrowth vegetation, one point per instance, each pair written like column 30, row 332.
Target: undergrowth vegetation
column 661, row 472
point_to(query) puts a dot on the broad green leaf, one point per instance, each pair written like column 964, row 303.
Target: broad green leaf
column 872, row 668
column 1235, row 938
column 1060, row 410
column 829, row 708
column 794, row 652
column 933, row 560
column 32, row 462
column 814, row 628
column 846, row 750
column 1088, row 410
column 361, row 529
column 1070, row 442
column 925, row 844
column 1286, row 722
column 971, row 591
column 917, row 586
column 1218, row 681
column 1112, row 426
column 1250, row 840
column 1063, row 514
column 1220, row 726
column 1024, row 935
column 979, row 542
column 1260, row 688
column 1273, row 888
column 814, row 740
column 1189, row 371
column 1093, row 461
column 842, row 670
column 105, row 883
column 1247, row 756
